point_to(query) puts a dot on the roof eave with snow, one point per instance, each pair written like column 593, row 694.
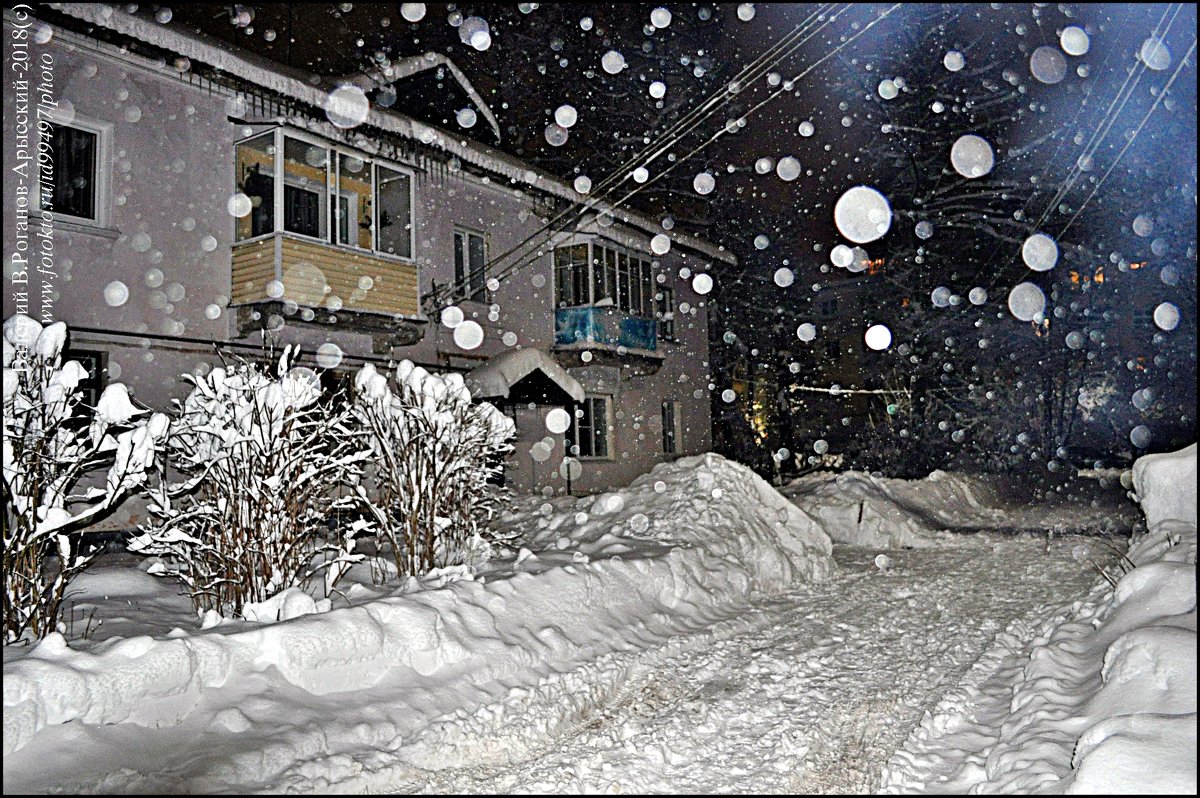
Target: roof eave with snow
column 312, row 90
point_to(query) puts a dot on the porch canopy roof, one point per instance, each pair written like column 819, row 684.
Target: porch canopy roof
column 524, row 375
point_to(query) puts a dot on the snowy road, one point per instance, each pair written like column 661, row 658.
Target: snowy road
column 829, row 683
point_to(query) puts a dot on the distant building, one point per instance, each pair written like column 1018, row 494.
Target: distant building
column 207, row 200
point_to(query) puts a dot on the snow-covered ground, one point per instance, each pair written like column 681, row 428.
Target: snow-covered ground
column 1102, row 697
column 690, row 632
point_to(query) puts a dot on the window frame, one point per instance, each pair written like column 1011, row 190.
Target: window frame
column 609, row 431
column 337, row 193
column 615, row 275
column 675, row 408
column 98, row 377
column 464, row 292
column 332, row 193
column 666, row 326
column 102, row 179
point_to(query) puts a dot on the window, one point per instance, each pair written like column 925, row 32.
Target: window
column 305, row 177
column 635, row 287
column 75, row 192
column 469, row 266
column 670, row 427
column 75, row 154
column 603, row 276
column 828, row 307
column 647, row 290
column 623, row 281
column 321, row 192
column 833, row 350
column 589, row 428
column 394, row 192
column 336, row 382
column 256, row 179
column 354, row 227
column 666, row 313
column 571, row 276
column 95, row 362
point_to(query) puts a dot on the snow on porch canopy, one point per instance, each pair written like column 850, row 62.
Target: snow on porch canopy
column 524, row 375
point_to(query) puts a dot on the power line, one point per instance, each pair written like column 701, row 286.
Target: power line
column 1136, row 131
column 781, row 49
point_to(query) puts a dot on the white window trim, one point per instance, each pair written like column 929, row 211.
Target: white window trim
column 351, row 216
column 103, row 176
column 322, row 212
column 464, row 292
column 633, row 256
column 278, row 134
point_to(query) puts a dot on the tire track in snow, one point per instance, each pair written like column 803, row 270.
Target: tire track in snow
column 816, row 697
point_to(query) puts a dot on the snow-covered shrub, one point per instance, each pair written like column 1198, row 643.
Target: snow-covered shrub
column 434, row 453
column 257, row 462
column 50, row 453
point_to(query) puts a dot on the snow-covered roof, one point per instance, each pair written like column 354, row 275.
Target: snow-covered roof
column 496, row 377
column 313, row 90
column 407, row 67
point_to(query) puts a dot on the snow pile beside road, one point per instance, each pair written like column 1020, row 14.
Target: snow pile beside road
column 703, row 501
column 864, row 510
column 1104, row 699
column 1166, row 488
column 528, row 648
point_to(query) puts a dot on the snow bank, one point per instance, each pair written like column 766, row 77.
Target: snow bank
column 680, row 549
column 1166, row 486
column 1104, row 699
column 863, row 510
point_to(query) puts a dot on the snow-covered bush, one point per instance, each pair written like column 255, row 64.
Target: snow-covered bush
column 50, row 452
column 434, row 453
column 258, row 461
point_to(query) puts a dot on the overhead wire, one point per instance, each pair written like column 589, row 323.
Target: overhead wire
column 782, row 49
column 1131, row 138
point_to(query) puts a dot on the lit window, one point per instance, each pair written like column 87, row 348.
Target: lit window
column 305, row 187
column 340, row 197
column 353, row 212
column 256, row 179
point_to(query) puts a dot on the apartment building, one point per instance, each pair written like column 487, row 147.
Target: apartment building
column 208, row 203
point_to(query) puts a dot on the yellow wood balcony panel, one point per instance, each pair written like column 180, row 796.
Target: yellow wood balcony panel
column 313, row 273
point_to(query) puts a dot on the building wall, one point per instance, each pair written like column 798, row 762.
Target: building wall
column 168, row 239
column 168, row 234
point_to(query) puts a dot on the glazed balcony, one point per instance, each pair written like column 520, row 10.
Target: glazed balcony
column 608, row 333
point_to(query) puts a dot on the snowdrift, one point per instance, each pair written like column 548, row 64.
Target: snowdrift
column 879, row 512
column 1104, row 700
column 863, row 510
column 680, row 549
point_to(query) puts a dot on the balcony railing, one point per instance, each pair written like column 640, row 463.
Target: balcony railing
column 313, row 274
column 604, row 327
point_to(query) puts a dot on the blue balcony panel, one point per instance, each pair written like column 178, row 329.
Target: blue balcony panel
column 604, row 326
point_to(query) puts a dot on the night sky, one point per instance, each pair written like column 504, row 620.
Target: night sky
column 1093, row 133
